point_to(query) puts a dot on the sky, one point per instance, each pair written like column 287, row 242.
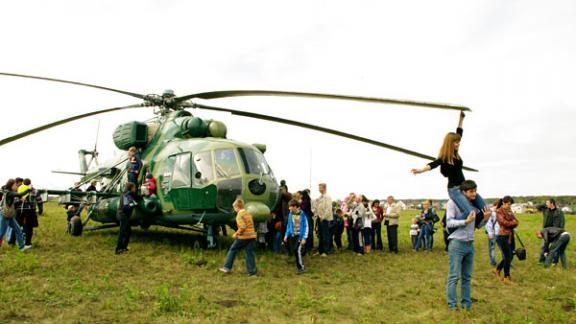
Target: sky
column 511, row 62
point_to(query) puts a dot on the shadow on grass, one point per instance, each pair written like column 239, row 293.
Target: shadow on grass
column 161, row 235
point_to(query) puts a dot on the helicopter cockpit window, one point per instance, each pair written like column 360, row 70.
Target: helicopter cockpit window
column 203, row 168
column 181, row 174
column 226, row 163
column 254, row 161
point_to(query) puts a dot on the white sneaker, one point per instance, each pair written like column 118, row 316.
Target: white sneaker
column 26, row 248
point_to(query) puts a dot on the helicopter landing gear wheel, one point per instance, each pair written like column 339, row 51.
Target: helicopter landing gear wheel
column 145, row 225
column 75, row 226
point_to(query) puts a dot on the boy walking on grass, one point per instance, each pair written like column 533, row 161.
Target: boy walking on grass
column 296, row 232
column 244, row 238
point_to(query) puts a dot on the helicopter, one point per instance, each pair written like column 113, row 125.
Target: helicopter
column 199, row 171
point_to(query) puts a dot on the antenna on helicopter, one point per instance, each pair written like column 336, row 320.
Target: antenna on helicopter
column 94, row 152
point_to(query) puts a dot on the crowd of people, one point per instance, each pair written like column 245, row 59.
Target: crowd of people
column 20, row 206
column 362, row 221
column 298, row 219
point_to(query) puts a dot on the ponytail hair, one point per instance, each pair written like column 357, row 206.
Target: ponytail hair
column 505, row 199
column 9, row 184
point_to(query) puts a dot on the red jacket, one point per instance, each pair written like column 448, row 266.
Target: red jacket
column 506, row 220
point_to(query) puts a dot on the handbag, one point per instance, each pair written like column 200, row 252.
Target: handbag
column 521, row 251
column 7, row 211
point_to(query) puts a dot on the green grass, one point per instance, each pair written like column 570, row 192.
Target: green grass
column 162, row 279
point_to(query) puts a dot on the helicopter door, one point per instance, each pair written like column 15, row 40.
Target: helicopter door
column 182, row 193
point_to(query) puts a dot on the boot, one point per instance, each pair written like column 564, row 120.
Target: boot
column 367, row 249
column 507, row 280
column 496, row 272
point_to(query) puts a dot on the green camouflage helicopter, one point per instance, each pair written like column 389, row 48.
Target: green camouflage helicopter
column 198, row 170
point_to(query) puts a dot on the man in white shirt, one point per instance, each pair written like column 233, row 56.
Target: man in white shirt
column 322, row 208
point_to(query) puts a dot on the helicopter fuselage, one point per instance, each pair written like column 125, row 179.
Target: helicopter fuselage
column 198, row 178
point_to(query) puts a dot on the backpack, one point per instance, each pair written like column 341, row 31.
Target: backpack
column 7, row 211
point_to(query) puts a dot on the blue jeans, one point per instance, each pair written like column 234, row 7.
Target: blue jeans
column 349, row 237
column 542, row 258
column 424, row 237
column 356, row 241
column 237, row 246
column 6, row 223
column 557, row 251
column 367, row 234
column 491, row 253
column 461, row 256
column 465, row 205
column 277, row 242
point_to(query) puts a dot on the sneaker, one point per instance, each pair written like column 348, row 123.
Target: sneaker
column 26, row 248
column 253, row 274
column 323, row 254
column 300, row 271
column 225, row 270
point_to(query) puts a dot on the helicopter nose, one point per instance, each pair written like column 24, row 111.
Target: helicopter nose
column 258, row 210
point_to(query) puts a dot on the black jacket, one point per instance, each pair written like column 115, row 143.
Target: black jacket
column 126, row 205
column 553, row 218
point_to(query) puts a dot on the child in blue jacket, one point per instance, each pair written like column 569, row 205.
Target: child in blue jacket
column 297, row 232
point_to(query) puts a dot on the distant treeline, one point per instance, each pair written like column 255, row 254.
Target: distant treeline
column 561, row 201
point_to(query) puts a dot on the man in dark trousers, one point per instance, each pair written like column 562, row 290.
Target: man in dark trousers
column 126, row 206
column 553, row 217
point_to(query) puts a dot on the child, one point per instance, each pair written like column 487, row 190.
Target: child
column 339, row 228
column 71, row 212
column 297, row 232
column 367, row 232
column 261, row 235
column 414, row 229
column 244, row 238
column 357, row 226
column 149, row 186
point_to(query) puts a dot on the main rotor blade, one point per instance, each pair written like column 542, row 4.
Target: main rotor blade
column 321, row 129
column 136, row 95
column 62, row 121
column 243, row 93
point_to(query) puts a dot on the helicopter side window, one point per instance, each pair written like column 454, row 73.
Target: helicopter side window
column 226, row 163
column 254, row 161
column 203, row 168
column 166, row 174
column 181, row 174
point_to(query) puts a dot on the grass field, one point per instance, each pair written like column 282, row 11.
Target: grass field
column 162, row 279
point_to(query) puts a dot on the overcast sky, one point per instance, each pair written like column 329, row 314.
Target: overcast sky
column 512, row 62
